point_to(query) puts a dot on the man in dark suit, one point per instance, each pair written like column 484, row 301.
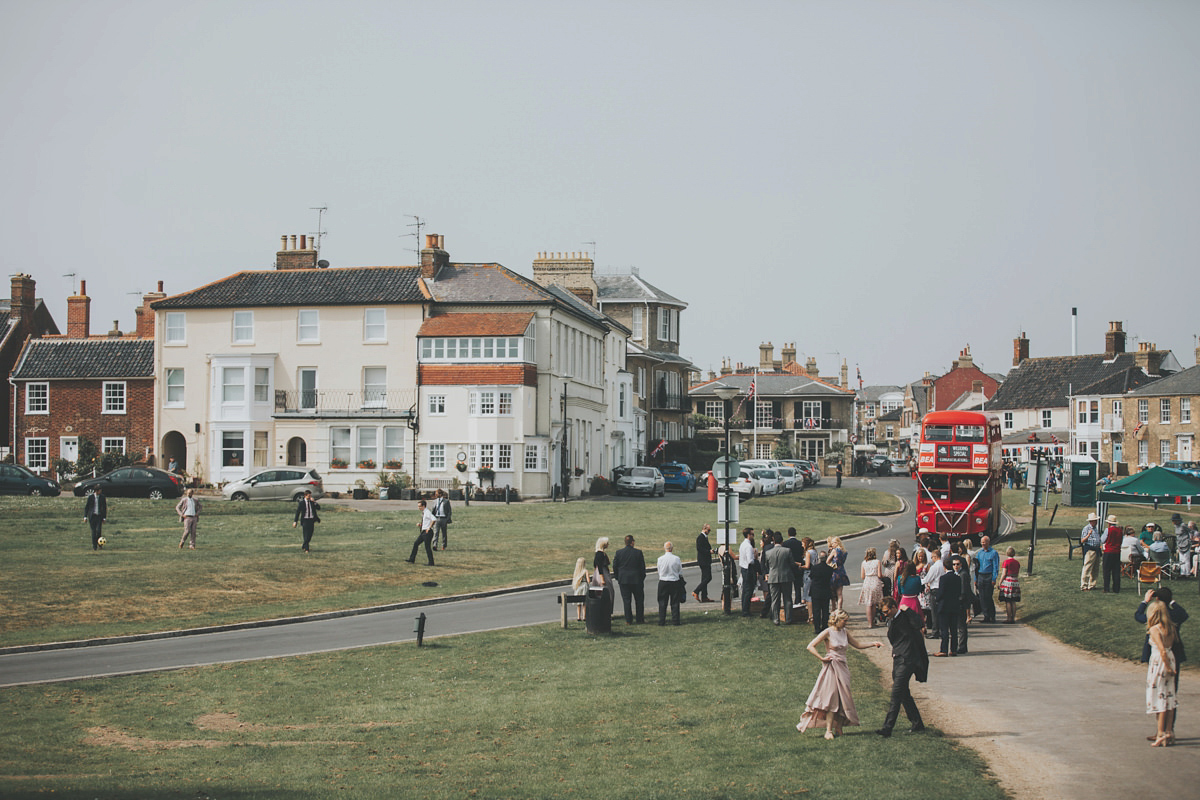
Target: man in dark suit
column 820, row 591
column 798, row 555
column 963, row 570
column 95, row 514
column 908, row 659
column 629, row 566
column 441, row 516
column 306, row 516
column 947, row 596
column 704, row 556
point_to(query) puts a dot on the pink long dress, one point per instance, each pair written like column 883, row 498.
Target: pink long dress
column 831, row 693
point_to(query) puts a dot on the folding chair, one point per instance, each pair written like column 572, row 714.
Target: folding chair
column 1165, row 564
column 1149, row 573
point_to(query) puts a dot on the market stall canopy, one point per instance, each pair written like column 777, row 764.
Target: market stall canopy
column 1154, row 485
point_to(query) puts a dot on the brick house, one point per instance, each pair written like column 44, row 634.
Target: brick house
column 1162, row 420
column 21, row 317
column 948, row 391
column 76, row 386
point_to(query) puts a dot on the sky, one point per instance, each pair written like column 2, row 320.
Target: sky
column 881, row 182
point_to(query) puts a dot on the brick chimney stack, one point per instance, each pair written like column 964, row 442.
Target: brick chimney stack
column 23, row 301
column 810, row 368
column 433, row 256
column 845, row 374
column 766, row 357
column 1020, row 349
column 573, row 271
column 1114, row 340
column 302, row 257
column 79, row 314
column 788, row 353
column 145, row 314
column 1149, row 357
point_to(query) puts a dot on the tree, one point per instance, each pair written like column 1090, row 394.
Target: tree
column 783, row 450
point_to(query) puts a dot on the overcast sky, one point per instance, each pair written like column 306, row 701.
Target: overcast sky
column 884, row 182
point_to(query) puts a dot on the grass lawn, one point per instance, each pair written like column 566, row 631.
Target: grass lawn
column 248, row 564
column 1050, row 598
column 706, row 710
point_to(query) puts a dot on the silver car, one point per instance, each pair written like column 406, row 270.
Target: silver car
column 285, row 483
column 642, row 480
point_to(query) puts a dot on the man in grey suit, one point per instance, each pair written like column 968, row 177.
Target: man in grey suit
column 629, row 566
column 780, row 572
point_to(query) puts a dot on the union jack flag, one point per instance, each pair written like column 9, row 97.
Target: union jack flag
column 859, row 371
column 1138, row 428
column 1054, row 439
column 811, row 422
column 750, row 391
column 662, row 445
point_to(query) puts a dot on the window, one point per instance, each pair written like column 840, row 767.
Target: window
column 1095, row 450
column 481, row 455
column 233, row 449
column 339, row 445
column 489, row 403
column 174, row 384
column 1143, row 413
column 114, row 397
column 308, row 325
column 504, row 404
column 504, row 457
column 176, row 330
column 374, row 387
column 308, row 388
column 262, row 384
column 1143, row 451
column 368, row 448
column 891, row 432
column 437, row 404
column 233, row 385
column 1164, row 451
column 437, row 457
column 664, row 324
column 535, row 458
column 261, row 448
column 474, row 348
column 637, row 323
column 1093, row 411
column 1185, row 409
column 37, row 398
column 811, row 449
column 762, row 450
column 243, row 327
column 621, row 401
column 1164, row 410
column 715, row 409
column 1116, row 407
column 870, row 410
column 374, row 325
column 812, row 410
column 1082, row 416
column 762, row 414
column 1008, row 420
column 641, row 382
column 393, row 447
column 112, row 444
column 1047, row 418
column 37, row 454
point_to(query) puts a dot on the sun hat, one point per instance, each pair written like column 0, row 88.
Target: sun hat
column 1093, row 518
column 1112, row 519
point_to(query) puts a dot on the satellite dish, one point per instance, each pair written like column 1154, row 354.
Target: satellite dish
column 323, row 264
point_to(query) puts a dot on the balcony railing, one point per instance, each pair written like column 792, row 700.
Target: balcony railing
column 397, row 402
column 1113, row 423
column 668, row 401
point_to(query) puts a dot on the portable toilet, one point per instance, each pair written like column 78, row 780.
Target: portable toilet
column 1079, row 481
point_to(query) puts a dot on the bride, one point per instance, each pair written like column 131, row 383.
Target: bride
column 830, row 699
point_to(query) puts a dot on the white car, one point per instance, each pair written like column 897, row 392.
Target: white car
column 768, row 481
column 788, row 480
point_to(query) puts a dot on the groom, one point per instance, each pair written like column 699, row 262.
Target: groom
column 908, row 659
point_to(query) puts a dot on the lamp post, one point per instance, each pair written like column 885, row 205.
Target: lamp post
column 564, row 477
column 726, row 393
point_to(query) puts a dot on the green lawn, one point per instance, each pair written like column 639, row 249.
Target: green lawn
column 706, row 710
column 248, row 563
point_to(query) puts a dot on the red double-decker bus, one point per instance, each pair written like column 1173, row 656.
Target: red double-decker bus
column 958, row 474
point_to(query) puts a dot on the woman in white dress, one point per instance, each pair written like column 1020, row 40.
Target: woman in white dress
column 1160, row 673
column 871, row 593
column 830, row 699
column 579, row 584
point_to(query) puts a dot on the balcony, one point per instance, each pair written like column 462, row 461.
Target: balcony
column 399, row 403
column 669, row 401
column 1113, row 423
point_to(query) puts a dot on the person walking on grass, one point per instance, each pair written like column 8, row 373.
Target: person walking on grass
column 306, row 516
column 704, row 557
column 188, row 510
column 830, row 700
column 425, row 533
column 95, row 514
column 909, row 660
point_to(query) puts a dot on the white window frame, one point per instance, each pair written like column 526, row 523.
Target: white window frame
column 1008, row 420
column 375, row 325
column 115, row 397
column 37, row 398
column 1143, row 412
column 1047, row 418
column 436, row 458
column 262, row 385
column 174, row 387
column 374, row 387
column 228, row 386
column 262, row 449
column 341, row 445
column 1164, row 450
column 393, row 447
column 812, row 409
column 37, row 453
column 472, row 349
column 232, row 443
column 535, row 458
column 436, row 405
column 112, row 444
column 1185, row 410
column 1164, row 410
column 367, row 440
column 715, row 409
column 243, row 327
column 504, row 458
column 764, row 414
column 175, row 328
column 308, row 326
column 637, row 324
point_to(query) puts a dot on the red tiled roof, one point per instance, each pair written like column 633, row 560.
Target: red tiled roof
column 476, row 325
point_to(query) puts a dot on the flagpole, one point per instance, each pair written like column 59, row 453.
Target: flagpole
column 754, row 411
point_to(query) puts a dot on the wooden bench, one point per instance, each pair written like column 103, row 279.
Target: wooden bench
column 568, row 599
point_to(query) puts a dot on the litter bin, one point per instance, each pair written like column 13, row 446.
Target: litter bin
column 599, row 611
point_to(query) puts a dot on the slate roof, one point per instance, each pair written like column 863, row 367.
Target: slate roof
column 340, row 286
column 871, row 394
column 468, row 324
column 891, row 416
column 477, row 283
column 1046, row 382
column 660, row 355
column 76, row 359
column 773, row 386
column 1119, row 382
column 632, row 289
column 1184, row 382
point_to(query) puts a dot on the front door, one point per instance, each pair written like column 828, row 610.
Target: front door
column 68, row 448
column 1185, row 448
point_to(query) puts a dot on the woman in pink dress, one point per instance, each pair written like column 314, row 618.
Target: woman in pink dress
column 830, row 699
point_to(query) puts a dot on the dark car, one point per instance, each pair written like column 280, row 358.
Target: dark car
column 15, row 479
column 133, row 482
column 678, row 476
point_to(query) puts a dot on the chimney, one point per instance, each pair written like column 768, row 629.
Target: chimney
column 1114, row 341
column 788, row 353
column 433, row 257
column 302, row 257
column 145, row 314
column 725, row 368
column 810, row 368
column 1149, row 357
column 976, row 387
column 574, row 272
column 115, row 333
column 21, row 309
column 1074, row 331
column 79, row 314
column 964, row 359
column 766, row 357
column 845, row 375
column 1021, row 349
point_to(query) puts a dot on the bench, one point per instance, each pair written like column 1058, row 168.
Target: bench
column 567, row 599
column 1073, row 543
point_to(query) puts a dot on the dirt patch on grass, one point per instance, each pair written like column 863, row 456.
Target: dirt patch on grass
column 104, row 736
column 228, row 723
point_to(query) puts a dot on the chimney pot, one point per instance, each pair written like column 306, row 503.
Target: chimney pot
column 293, row 241
column 283, row 242
column 303, row 241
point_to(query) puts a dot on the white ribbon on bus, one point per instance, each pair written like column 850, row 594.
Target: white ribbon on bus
column 945, row 514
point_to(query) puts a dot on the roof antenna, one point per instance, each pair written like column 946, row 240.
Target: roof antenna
column 320, row 228
column 420, row 223
column 71, row 275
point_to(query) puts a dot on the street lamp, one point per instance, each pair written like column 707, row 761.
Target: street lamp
column 564, row 477
column 726, row 394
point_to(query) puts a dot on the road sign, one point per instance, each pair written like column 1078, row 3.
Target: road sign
column 726, row 467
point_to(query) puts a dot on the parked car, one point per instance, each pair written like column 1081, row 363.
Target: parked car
column 678, row 476
column 642, row 480
column 768, row 481
column 893, row 466
column 15, row 479
column 805, row 470
column 876, row 463
column 135, row 481
column 746, row 485
column 276, row 484
column 789, row 479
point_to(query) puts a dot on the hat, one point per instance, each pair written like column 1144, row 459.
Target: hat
column 1112, row 519
column 1150, row 525
column 1092, row 517
column 923, row 530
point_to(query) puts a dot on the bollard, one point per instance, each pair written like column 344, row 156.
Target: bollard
column 419, row 629
column 506, row 500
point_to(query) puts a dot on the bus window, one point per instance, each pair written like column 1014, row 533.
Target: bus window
column 966, row 486
column 937, row 485
column 939, row 433
column 970, row 433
